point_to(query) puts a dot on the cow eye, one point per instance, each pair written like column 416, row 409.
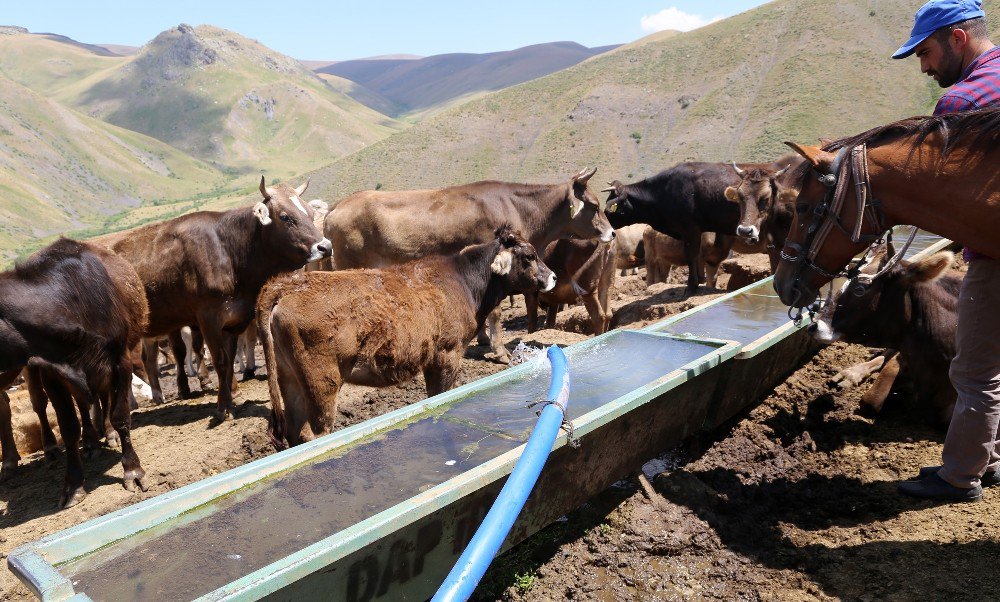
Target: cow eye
column 287, row 218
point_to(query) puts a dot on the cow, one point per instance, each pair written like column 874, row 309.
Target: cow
column 78, row 342
column 911, row 309
column 206, row 269
column 584, row 269
column 662, row 252
column 685, row 201
column 373, row 229
column 766, row 197
column 630, row 252
column 381, row 327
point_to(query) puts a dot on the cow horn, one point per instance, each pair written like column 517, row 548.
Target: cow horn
column 263, row 189
column 302, row 189
column 778, row 173
column 585, row 174
column 739, row 171
column 609, row 188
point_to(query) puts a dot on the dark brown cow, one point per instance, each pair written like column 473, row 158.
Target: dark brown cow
column 912, row 309
column 584, row 270
column 71, row 313
column 766, row 196
column 207, row 268
column 374, row 229
column 381, row 327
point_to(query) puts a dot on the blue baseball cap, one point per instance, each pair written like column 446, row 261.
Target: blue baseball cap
column 937, row 14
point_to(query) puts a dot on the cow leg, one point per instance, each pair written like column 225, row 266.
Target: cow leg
column 604, row 299
column 181, row 358
column 496, row 337
column 199, row 363
column 222, row 347
column 593, row 306
column 531, row 309
column 442, row 374
column 150, row 357
column 90, row 414
column 39, row 401
column 874, row 398
column 692, row 254
column 550, row 315
column 7, row 446
column 245, row 349
column 712, row 274
column 139, row 370
column 110, row 434
column 121, row 421
column 73, row 491
column 853, row 376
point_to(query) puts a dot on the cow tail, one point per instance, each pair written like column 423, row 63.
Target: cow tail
column 266, row 302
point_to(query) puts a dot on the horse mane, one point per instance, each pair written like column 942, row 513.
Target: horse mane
column 953, row 127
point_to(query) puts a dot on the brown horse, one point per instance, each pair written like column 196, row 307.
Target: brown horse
column 940, row 173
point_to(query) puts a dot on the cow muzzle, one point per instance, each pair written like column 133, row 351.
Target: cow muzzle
column 748, row 233
column 823, row 332
column 320, row 250
column 607, row 236
column 550, row 283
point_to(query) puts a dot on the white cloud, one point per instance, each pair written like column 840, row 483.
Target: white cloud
column 674, row 18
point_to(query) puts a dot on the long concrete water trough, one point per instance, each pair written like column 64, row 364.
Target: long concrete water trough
column 381, row 510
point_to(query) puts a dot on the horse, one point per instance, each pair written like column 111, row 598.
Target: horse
column 901, row 173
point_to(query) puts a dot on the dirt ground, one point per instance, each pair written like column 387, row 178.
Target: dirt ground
column 794, row 501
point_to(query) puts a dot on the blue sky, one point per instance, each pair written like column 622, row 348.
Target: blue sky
column 344, row 30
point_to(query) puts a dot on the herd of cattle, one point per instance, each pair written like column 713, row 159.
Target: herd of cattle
column 396, row 284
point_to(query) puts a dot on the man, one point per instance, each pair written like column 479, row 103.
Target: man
column 951, row 40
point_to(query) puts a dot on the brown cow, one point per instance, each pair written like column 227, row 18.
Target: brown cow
column 912, row 309
column 206, row 268
column 630, row 252
column 584, row 270
column 766, row 197
column 381, row 327
column 662, row 252
column 71, row 313
column 373, row 229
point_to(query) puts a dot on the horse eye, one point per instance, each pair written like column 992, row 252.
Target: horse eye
column 802, row 208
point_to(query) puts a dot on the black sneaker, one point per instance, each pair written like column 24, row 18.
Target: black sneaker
column 988, row 479
column 934, row 487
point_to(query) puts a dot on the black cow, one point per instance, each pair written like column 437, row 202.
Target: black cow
column 685, row 201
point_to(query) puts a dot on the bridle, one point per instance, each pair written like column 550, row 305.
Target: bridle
column 826, row 216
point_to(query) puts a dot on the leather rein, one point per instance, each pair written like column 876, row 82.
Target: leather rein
column 826, row 216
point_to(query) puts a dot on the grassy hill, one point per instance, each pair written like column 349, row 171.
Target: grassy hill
column 63, row 171
column 47, row 63
column 414, row 86
column 790, row 69
column 229, row 101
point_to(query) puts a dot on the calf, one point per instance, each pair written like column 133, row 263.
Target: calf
column 78, row 342
column 584, row 269
column 381, row 327
column 663, row 252
column 912, row 309
column 630, row 251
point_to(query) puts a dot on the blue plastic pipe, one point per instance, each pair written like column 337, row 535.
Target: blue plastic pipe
column 472, row 565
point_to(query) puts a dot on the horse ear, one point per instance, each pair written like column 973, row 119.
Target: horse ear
column 815, row 155
column 930, row 268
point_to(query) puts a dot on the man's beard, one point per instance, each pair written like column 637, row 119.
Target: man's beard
column 951, row 67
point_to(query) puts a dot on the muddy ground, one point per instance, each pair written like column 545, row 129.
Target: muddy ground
column 794, row 501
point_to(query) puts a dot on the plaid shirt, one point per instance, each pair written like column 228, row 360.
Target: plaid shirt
column 978, row 89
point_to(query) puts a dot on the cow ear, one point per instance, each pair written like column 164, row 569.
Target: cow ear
column 815, row 155
column 263, row 213
column 787, row 196
column 930, row 268
column 575, row 206
column 731, row 194
column 502, row 262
